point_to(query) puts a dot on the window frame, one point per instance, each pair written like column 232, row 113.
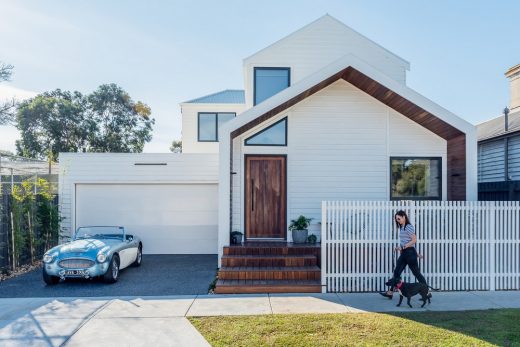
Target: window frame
column 216, row 124
column 268, row 68
column 265, row 129
column 439, row 198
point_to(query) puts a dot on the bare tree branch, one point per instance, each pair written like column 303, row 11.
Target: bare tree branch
column 6, row 108
column 6, row 71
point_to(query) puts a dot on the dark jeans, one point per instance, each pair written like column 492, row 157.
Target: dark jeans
column 408, row 257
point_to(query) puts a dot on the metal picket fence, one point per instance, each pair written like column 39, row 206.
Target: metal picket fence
column 466, row 245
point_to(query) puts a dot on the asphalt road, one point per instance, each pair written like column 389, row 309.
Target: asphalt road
column 158, row 275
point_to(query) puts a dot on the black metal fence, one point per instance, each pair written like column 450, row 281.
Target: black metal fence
column 4, row 232
column 499, row 191
column 9, row 258
column 30, row 223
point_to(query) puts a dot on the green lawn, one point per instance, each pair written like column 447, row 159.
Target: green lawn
column 467, row 328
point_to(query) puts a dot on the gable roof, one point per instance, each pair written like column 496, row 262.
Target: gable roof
column 228, row 96
column 368, row 79
column 331, row 20
column 496, row 126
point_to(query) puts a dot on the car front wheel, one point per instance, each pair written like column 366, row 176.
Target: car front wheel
column 48, row 279
column 139, row 257
column 112, row 273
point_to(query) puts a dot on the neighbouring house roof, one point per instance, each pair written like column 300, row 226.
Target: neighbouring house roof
column 228, row 96
column 496, row 126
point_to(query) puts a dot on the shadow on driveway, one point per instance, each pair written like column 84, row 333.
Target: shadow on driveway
column 158, row 275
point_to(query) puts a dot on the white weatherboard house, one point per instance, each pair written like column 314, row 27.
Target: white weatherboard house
column 325, row 115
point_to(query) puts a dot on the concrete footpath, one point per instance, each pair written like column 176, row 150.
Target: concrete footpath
column 161, row 321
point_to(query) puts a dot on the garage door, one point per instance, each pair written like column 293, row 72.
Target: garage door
column 169, row 218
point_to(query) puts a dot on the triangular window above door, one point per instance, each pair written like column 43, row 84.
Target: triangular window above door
column 273, row 135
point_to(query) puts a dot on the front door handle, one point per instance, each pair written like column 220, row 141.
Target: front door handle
column 252, row 194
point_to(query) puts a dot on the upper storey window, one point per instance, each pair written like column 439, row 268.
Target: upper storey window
column 269, row 81
column 210, row 122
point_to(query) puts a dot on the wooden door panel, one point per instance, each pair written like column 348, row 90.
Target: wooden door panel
column 265, row 196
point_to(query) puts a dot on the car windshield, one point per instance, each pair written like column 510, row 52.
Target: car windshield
column 99, row 233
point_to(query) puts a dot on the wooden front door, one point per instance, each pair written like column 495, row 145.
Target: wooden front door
column 265, row 196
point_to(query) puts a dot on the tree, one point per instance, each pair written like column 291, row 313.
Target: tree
column 107, row 120
column 176, row 146
column 6, row 108
column 54, row 122
column 122, row 124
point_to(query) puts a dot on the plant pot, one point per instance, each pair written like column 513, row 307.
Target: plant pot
column 300, row 236
column 237, row 239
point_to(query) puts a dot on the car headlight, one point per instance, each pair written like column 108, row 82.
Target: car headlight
column 101, row 257
column 48, row 258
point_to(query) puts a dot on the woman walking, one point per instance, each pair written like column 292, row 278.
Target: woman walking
column 407, row 240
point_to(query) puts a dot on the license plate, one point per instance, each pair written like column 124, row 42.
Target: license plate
column 74, row 273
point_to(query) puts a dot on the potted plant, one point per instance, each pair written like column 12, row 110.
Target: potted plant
column 236, row 237
column 312, row 239
column 299, row 230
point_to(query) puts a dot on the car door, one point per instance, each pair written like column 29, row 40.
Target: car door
column 127, row 254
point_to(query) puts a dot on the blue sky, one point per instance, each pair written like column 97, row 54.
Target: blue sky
column 166, row 52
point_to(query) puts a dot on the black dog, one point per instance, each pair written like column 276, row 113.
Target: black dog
column 410, row 289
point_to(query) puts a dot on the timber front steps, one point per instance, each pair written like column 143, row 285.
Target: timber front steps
column 270, row 267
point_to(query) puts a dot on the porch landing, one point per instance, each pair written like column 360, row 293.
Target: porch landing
column 270, row 267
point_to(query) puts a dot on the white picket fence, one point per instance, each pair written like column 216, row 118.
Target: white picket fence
column 467, row 245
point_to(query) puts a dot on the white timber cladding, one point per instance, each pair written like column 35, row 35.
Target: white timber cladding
column 190, row 111
column 317, row 45
column 189, row 179
column 347, row 159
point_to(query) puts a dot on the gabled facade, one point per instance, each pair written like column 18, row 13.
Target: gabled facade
column 316, row 45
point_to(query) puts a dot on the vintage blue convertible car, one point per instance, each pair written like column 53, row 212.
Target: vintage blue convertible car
column 94, row 251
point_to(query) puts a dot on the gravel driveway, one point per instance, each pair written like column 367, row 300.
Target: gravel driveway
column 158, row 275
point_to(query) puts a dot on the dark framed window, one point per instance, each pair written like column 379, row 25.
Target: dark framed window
column 210, row 122
column 273, row 135
column 415, row 178
column 268, row 81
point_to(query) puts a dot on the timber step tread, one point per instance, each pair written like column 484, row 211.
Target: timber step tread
column 269, row 260
column 267, row 286
column 297, row 273
column 271, row 250
column 262, row 256
column 270, row 268
column 266, row 282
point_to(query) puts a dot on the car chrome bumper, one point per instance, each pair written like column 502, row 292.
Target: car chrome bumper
column 53, row 269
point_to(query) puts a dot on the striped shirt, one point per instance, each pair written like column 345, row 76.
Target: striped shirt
column 405, row 234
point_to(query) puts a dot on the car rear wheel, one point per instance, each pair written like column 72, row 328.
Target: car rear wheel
column 139, row 257
column 48, row 279
column 112, row 273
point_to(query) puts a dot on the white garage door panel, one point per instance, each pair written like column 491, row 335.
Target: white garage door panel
column 169, row 218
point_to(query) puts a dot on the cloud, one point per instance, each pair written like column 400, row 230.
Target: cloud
column 8, row 137
column 8, row 92
column 9, row 134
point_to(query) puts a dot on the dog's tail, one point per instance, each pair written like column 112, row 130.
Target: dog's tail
column 435, row 289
